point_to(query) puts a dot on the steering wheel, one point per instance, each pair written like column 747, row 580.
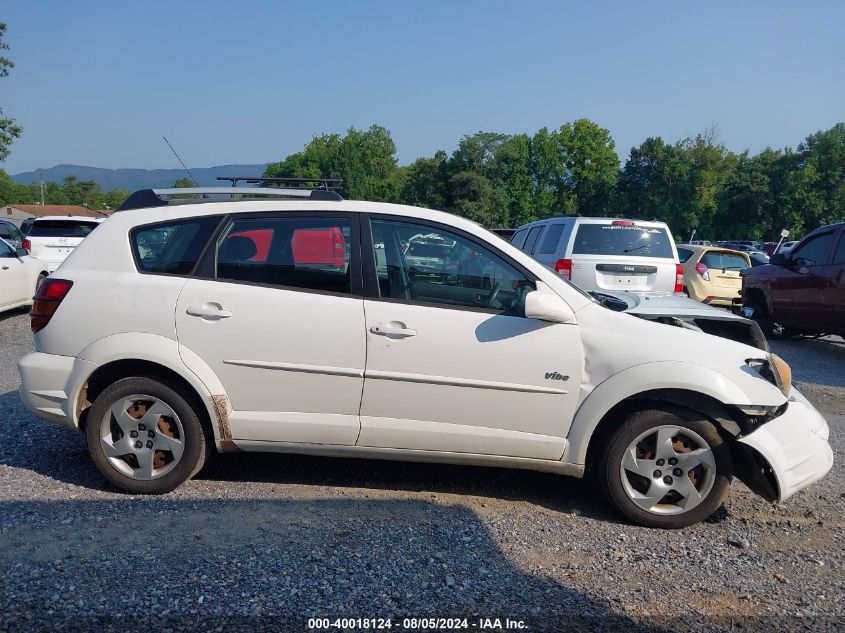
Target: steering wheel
column 494, row 293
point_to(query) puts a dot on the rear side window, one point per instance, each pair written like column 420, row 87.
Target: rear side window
column 622, row 239
column 518, row 238
column 171, row 248
column 724, row 261
column 531, row 240
column 814, row 252
column 551, row 239
column 309, row 253
column 684, row 254
column 61, row 228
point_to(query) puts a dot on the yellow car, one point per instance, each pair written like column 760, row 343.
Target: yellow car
column 711, row 273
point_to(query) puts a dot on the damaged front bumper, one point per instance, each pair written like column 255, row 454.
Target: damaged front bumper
column 788, row 453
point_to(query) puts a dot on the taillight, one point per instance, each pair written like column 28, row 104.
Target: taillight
column 679, row 278
column 701, row 269
column 563, row 267
column 45, row 303
column 27, row 245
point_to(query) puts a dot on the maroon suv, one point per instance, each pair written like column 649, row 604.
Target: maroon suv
column 802, row 291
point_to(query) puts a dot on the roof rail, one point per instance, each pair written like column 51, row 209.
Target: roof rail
column 326, row 184
column 144, row 198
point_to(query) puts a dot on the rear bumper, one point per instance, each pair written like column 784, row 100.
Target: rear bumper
column 794, row 445
column 50, row 385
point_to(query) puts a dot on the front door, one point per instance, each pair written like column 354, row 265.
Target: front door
column 281, row 323
column 798, row 293
column 452, row 365
column 14, row 277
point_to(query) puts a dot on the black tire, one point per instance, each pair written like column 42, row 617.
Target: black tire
column 634, row 426
column 196, row 446
column 762, row 316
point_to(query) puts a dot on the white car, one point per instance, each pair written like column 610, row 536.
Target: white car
column 20, row 276
column 52, row 238
column 605, row 253
column 271, row 325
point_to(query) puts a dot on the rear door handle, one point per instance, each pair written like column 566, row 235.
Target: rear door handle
column 209, row 311
column 390, row 329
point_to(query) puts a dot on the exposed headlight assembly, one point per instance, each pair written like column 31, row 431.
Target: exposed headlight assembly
column 774, row 369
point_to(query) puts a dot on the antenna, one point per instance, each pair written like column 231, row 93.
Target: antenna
column 190, row 175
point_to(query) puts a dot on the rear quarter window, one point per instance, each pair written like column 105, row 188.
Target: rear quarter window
column 633, row 241
column 684, row 254
column 171, row 248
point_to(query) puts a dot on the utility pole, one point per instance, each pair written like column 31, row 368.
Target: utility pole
column 41, row 182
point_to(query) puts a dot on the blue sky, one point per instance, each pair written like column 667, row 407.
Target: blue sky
column 99, row 83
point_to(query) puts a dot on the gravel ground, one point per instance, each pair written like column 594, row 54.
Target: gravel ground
column 265, row 541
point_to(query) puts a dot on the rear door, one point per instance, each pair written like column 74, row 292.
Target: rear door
column 52, row 241
column 623, row 255
column 14, row 278
column 279, row 317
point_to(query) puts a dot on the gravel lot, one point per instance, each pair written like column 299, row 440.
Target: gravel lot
column 264, row 541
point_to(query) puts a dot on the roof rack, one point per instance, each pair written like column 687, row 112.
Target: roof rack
column 326, row 184
column 144, row 198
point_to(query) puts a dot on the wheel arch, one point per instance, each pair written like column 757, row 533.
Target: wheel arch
column 686, row 385
column 155, row 357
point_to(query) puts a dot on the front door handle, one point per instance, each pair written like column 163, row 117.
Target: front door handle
column 209, row 311
column 397, row 330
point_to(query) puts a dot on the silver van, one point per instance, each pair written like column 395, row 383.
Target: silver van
column 605, row 253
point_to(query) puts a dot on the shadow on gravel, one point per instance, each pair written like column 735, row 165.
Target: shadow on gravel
column 33, row 444
column 155, row 563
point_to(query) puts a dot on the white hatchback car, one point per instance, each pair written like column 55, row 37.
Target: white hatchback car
column 333, row 327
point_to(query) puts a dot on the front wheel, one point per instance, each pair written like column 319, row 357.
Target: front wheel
column 666, row 468
column 144, row 437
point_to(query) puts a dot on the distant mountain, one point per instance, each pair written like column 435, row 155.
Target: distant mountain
column 133, row 179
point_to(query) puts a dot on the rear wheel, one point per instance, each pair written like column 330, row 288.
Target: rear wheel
column 666, row 468
column 760, row 314
column 144, row 437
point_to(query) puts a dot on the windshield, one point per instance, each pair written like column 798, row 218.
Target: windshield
column 614, row 239
column 61, row 228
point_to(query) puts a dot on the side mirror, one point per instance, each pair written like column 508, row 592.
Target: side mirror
column 778, row 260
column 545, row 305
column 21, row 252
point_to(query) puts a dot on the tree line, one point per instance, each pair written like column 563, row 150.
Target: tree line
column 504, row 180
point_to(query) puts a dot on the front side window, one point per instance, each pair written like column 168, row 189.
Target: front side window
column 814, row 252
column 171, row 248
column 839, row 255
column 427, row 265
column 518, row 238
column 308, row 253
column 6, row 250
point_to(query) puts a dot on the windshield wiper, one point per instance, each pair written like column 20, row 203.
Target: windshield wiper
column 628, row 250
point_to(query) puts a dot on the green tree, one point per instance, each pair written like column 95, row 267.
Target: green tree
column 183, row 183
column 9, row 130
column 591, row 164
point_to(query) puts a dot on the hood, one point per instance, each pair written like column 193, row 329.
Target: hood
column 681, row 311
